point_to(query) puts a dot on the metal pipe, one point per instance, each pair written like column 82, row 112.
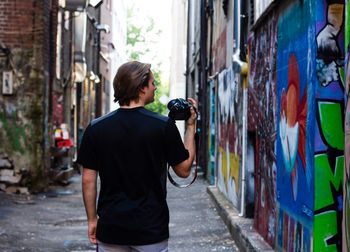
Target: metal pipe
column 241, row 68
column 211, row 12
column 202, row 95
column 188, row 45
column 244, row 72
column 80, row 23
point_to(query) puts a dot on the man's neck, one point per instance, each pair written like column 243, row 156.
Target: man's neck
column 134, row 104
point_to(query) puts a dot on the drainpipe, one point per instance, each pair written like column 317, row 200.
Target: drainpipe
column 188, row 45
column 242, row 68
column 211, row 12
column 202, row 95
column 79, row 67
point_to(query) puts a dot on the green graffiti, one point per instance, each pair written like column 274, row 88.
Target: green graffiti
column 323, row 228
column 347, row 181
column 330, row 115
column 325, row 177
column 329, row 173
column 16, row 135
column 328, row 202
column 347, row 26
column 347, row 213
column 342, row 75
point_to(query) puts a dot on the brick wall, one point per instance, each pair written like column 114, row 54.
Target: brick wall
column 21, row 23
column 28, row 32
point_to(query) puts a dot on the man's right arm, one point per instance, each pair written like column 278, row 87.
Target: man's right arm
column 183, row 169
column 89, row 186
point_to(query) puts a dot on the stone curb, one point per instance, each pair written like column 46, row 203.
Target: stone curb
column 241, row 229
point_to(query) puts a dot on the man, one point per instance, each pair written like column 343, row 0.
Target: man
column 129, row 149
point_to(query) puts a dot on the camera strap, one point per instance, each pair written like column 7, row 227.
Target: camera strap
column 196, row 138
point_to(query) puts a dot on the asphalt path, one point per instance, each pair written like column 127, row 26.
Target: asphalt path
column 56, row 221
column 195, row 226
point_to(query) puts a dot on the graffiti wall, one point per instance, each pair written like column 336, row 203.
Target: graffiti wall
column 211, row 131
column 262, row 105
column 229, row 134
column 295, row 190
column 329, row 130
column 346, row 212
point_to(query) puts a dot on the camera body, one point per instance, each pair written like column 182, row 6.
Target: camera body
column 179, row 109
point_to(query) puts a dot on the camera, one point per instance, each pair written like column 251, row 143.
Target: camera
column 179, row 109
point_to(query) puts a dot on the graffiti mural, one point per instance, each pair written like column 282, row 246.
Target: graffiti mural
column 229, row 127
column 292, row 127
column 346, row 212
column 329, row 130
column 262, row 116
column 211, row 130
column 295, row 190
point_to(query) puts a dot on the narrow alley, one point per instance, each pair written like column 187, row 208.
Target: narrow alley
column 56, row 221
column 271, row 81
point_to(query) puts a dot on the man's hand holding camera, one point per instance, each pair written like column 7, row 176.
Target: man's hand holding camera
column 193, row 118
column 181, row 109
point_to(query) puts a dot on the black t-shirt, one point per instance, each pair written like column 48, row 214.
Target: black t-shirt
column 130, row 148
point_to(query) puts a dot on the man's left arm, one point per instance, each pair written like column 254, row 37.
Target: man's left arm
column 183, row 169
column 89, row 186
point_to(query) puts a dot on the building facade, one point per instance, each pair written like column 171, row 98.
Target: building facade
column 177, row 85
column 27, row 41
column 53, row 84
column 113, row 44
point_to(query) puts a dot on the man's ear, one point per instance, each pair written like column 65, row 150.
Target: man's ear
column 142, row 90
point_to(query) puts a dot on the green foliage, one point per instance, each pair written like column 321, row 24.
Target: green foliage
column 139, row 36
column 139, row 40
column 157, row 106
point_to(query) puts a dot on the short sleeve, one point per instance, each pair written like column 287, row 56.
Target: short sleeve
column 86, row 153
column 175, row 149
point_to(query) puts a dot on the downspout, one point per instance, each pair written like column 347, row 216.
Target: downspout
column 210, row 70
column 79, row 67
column 211, row 12
column 188, row 45
column 97, row 55
column 203, row 89
column 242, row 68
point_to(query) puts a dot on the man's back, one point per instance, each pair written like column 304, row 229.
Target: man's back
column 129, row 149
column 130, row 152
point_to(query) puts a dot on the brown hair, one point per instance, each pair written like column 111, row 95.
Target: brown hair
column 129, row 80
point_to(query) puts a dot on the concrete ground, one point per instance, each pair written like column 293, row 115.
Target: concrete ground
column 55, row 221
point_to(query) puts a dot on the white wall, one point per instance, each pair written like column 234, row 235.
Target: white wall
column 113, row 45
column 177, row 86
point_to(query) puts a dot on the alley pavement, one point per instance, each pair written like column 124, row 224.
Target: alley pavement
column 56, row 221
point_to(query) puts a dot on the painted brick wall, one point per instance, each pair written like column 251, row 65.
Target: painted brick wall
column 308, row 54
column 262, row 119
column 27, row 40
